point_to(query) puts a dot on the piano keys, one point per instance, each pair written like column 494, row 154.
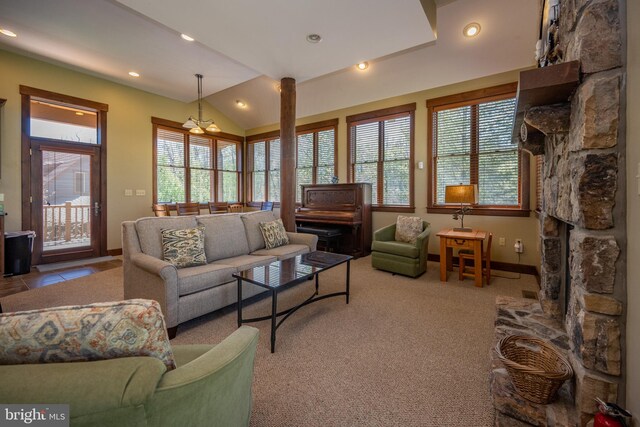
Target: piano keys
column 339, row 206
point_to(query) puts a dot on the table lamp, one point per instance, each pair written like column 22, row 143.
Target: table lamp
column 461, row 194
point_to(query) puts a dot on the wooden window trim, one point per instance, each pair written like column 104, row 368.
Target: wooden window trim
column 66, row 99
column 472, row 98
column 214, row 137
column 267, row 167
column 380, row 116
column 300, row 130
column 178, row 127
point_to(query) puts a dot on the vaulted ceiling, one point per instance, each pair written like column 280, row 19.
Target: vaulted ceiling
column 244, row 47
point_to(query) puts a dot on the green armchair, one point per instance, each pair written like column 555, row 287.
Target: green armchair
column 400, row 257
column 211, row 386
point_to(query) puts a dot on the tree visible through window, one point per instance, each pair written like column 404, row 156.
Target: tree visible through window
column 470, row 142
column 315, row 155
column 381, row 153
column 315, row 160
column 195, row 168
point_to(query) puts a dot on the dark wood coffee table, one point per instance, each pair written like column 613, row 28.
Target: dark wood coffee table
column 281, row 275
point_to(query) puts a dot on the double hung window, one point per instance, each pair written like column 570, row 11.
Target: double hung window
column 315, row 160
column 381, row 153
column 470, row 142
column 195, row 168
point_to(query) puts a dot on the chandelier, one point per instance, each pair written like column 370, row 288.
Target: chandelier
column 198, row 126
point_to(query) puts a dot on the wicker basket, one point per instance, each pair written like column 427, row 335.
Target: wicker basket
column 536, row 368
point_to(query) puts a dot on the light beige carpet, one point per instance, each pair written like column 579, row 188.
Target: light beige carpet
column 405, row 352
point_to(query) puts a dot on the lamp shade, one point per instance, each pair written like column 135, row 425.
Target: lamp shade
column 213, row 128
column 190, row 124
column 461, row 193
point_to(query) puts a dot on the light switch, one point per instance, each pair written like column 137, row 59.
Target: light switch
column 140, row 192
column 420, row 165
column 128, row 192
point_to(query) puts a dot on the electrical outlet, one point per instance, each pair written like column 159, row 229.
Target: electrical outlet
column 502, row 241
column 518, row 247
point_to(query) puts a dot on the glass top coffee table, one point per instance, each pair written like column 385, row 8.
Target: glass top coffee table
column 281, row 275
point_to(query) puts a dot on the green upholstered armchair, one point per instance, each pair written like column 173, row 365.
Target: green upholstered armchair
column 210, row 387
column 400, row 257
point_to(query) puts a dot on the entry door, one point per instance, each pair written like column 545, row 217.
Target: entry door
column 63, row 175
column 66, row 201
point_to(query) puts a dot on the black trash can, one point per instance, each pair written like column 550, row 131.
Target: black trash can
column 18, row 246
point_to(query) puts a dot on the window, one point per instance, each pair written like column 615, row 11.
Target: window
column 263, row 167
column 315, row 155
column 470, row 142
column 195, row 168
column 381, row 153
column 61, row 121
column 315, row 160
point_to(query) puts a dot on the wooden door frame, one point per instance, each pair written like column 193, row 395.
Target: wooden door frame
column 39, row 145
column 101, row 109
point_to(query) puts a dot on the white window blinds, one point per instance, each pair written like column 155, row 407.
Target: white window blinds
column 170, row 173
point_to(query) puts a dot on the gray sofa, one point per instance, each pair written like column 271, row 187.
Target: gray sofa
column 233, row 242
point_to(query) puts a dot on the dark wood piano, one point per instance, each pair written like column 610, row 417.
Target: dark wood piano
column 343, row 207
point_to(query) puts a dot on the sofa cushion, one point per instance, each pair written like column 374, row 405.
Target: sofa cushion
column 184, row 248
column 408, row 228
column 251, row 221
column 196, row 279
column 245, row 262
column 284, row 252
column 396, row 248
column 150, row 231
column 224, row 236
column 85, row 333
column 274, row 234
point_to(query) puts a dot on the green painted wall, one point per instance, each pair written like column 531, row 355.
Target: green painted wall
column 508, row 227
column 129, row 134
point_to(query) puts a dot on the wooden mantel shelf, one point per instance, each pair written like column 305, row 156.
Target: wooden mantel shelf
column 549, row 85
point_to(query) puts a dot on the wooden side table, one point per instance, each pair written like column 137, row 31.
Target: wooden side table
column 472, row 240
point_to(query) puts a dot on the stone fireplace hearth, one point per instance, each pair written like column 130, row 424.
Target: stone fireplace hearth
column 583, row 292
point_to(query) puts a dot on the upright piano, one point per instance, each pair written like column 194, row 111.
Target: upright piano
column 346, row 207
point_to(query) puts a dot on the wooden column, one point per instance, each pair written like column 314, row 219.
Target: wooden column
column 288, row 152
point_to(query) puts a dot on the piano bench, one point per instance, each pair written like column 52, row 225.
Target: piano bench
column 327, row 237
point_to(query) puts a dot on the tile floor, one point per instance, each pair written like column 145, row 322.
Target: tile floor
column 34, row 279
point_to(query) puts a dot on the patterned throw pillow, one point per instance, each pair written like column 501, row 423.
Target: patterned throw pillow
column 408, row 228
column 84, row 333
column 184, row 248
column 274, row 234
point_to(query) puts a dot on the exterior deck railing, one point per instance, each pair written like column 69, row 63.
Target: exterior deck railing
column 66, row 223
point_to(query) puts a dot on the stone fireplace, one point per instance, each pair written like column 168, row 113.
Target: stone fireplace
column 582, row 223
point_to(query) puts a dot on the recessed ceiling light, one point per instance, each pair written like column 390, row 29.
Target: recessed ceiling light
column 362, row 66
column 471, row 30
column 314, row 38
column 134, row 74
column 241, row 104
column 187, row 38
column 8, row 32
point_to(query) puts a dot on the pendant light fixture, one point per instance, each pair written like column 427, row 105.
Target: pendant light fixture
column 198, row 126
